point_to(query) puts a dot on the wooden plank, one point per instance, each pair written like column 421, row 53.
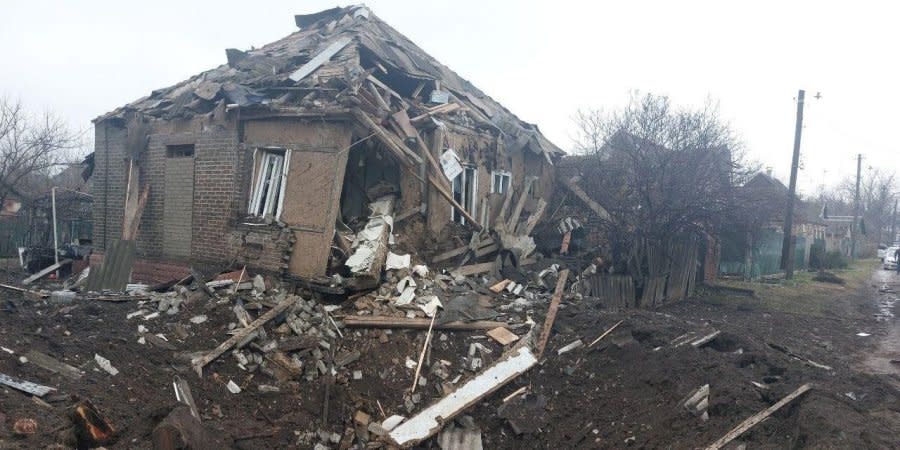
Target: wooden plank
column 402, row 121
column 202, row 361
column 450, row 254
column 401, row 151
column 422, row 354
column 534, row 218
column 751, row 421
column 705, row 339
column 610, row 330
column 378, row 98
column 388, row 89
column 499, row 287
column 500, row 221
column 52, row 364
column 430, row 420
column 37, row 294
column 551, row 312
column 13, row 288
column 599, row 210
column 46, row 271
column 133, row 213
column 484, row 251
column 416, row 324
column 474, row 269
column 320, row 59
column 442, row 109
column 517, row 211
column 470, row 221
column 502, row 335
column 418, row 90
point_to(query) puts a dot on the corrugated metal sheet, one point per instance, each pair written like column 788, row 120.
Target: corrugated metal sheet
column 115, row 271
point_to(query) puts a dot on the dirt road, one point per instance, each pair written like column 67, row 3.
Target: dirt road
column 885, row 359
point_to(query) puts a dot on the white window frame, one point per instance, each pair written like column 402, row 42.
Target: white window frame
column 470, row 204
column 502, row 174
column 262, row 158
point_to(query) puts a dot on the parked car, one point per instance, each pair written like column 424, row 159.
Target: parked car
column 890, row 259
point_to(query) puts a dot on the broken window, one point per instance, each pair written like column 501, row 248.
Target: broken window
column 500, row 181
column 180, row 151
column 270, row 171
column 465, row 188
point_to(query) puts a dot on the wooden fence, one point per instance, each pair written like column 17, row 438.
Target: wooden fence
column 672, row 277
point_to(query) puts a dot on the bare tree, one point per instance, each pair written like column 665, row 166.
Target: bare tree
column 31, row 147
column 662, row 172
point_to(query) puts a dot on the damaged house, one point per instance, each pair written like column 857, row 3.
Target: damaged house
column 268, row 159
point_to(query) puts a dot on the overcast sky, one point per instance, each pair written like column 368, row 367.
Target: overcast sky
column 542, row 60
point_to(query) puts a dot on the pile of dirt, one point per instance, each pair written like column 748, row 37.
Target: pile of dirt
column 626, row 390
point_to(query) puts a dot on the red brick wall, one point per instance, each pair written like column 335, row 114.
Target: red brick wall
column 150, row 272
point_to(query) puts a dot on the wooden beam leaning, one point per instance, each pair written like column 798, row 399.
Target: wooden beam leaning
column 202, row 361
column 517, row 211
column 599, row 210
column 46, row 271
column 534, row 218
column 400, row 150
column 403, row 154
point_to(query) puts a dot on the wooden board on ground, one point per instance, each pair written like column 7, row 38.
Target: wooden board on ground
column 502, row 335
column 417, row 324
column 474, row 269
column 757, row 418
column 52, row 364
column 499, row 287
column 429, row 421
column 202, row 361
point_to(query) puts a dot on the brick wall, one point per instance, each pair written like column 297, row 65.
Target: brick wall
column 215, row 203
column 263, row 247
column 108, row 186
column 213, row 206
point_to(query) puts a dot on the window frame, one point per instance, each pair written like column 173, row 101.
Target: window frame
column 502, row 174
column 265, row 159
column 469, row 203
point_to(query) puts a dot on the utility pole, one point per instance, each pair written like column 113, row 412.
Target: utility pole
column 787, row 247
column 853, row 228
column 894, row 224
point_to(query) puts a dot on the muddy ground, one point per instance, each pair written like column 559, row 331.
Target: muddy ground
column 624, row 392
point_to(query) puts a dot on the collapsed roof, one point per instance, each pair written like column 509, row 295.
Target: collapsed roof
column 327, row 67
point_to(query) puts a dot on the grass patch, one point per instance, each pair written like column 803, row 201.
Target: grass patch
column 802, row 295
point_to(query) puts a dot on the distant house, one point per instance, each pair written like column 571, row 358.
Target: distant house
column 759, row 239
column 28, row 221
column 261, row 159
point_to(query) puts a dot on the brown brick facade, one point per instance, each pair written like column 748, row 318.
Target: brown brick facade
column 216, row 201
